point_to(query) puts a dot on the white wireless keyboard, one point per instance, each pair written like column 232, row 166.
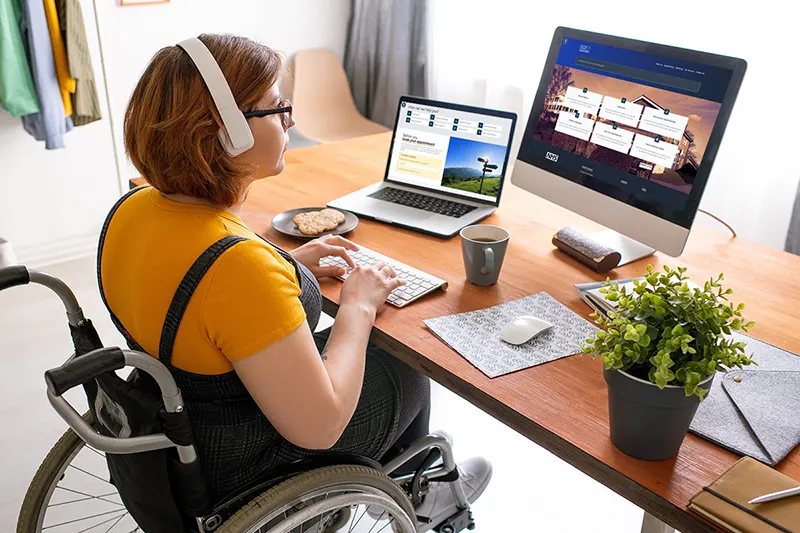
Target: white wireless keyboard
column 418, row 283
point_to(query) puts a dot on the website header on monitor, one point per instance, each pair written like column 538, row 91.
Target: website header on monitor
column 635, row 121
column 452, row 149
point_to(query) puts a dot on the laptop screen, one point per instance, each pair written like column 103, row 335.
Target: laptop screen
column 451, row 149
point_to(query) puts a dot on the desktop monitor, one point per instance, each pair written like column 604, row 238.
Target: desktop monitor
column 625, row 132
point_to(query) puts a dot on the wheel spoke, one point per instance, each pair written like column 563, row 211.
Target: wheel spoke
column 115, row 523
column 387, row 524
column 89, row 474
column 88, row 497
column 359, row 520
column 84, row 518
column 104, row 522
column 101, row 454
column 101, row 497
column 376, row 521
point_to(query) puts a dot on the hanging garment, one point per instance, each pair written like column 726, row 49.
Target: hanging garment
column 65, row 82
column 17, row 92
column 85, row 102
column 49, row 124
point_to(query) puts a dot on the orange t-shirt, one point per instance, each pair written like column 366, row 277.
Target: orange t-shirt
column 246, row 301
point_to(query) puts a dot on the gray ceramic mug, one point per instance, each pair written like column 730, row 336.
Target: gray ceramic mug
column 484, row 248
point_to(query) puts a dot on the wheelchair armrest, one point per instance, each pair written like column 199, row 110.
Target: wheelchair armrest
column 79, row 370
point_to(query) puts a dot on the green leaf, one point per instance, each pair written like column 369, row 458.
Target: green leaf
column 631, row 335
column 671, row 332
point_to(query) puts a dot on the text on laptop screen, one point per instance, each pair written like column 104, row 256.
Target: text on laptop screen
column 634, row 121
column 450, row 151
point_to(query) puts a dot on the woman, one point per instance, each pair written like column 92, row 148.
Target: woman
column 260, row 388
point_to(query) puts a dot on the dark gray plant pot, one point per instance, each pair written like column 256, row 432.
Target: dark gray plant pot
column 647, row 422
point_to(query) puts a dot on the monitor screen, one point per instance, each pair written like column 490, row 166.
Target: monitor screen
column 633, row 125
column 451, row 149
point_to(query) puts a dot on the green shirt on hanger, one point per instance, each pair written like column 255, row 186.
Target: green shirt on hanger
column 17, row 92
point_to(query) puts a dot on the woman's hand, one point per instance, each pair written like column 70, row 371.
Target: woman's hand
column 310, row 253
column 368, row 287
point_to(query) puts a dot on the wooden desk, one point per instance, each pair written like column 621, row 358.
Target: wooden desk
column 562, row 405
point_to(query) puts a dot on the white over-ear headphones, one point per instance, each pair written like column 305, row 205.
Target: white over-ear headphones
column 236, row 136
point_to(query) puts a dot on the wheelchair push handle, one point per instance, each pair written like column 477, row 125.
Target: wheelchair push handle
column 14, row 276
column 80, row 370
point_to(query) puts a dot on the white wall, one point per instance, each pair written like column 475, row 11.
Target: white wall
column 754, row 178
column 52, row 203
column 132, row 35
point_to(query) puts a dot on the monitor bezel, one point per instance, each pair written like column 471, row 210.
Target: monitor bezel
column 457, row 107
column 684, row 217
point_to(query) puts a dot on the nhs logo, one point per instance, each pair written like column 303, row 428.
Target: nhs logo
column 550, row 156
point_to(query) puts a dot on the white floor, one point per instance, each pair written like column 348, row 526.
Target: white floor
column 532, row 490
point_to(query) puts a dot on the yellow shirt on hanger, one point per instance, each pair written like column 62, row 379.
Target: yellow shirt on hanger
column 65, row 83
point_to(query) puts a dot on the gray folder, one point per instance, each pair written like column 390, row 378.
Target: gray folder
column 755, row 411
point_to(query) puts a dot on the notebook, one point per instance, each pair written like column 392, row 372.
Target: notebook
column 724, row 502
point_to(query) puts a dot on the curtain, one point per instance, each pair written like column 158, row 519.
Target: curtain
column 386, row 55
column 488, row 54
column 793, row 236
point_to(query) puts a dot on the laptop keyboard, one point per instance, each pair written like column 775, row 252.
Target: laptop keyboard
column 422, row 201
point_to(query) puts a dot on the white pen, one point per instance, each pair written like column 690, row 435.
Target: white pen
column 776, row 496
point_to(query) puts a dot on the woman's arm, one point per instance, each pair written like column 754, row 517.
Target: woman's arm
column 309, row 397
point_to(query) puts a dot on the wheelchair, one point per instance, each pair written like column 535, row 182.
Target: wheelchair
column 104, row 474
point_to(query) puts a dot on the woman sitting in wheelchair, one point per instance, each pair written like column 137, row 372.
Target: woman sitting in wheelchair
column 260, row 387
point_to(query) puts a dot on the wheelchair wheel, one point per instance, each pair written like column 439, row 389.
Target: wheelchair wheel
column 71, row 493
column 316, row 501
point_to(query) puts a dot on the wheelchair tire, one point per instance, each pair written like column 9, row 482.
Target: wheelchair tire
column 333, row 479
column 50, row 473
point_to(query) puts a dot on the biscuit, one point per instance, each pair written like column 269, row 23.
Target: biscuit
column 337, row 216
column 316, row 222
column 311, row 223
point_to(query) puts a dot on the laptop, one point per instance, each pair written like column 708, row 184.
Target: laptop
column 446, row 168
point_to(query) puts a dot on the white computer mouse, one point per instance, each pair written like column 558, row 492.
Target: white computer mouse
column 522, row 329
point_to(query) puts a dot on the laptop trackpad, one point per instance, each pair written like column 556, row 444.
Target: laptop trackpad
column 396, row 213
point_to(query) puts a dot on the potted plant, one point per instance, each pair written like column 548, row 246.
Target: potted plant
column 661, row 348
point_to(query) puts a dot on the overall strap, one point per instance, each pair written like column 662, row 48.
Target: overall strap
column 180, row 301
column 131, row 342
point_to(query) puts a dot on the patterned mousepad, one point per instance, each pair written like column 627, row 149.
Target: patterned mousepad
column 476, row 334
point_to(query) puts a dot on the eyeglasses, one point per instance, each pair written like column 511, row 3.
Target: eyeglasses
column 284, row 109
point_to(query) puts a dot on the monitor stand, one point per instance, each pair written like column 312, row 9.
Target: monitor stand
column 630, row 249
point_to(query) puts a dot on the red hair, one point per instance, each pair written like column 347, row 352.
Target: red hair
column 171, row 124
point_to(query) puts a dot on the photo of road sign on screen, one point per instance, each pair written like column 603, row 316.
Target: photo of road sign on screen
column 474, row 166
